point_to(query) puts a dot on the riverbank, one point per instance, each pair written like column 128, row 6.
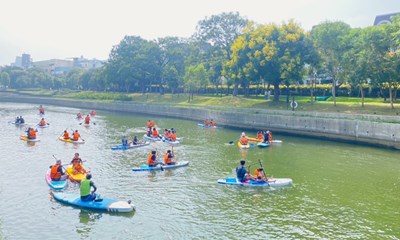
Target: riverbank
column 377, row 130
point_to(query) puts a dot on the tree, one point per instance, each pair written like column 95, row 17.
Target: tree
column 328, row 38
column 195, row 77
column 217, row 33
column 5, row 79
column 273, row 53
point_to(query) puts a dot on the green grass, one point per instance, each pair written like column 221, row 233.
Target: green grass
column 349, row 105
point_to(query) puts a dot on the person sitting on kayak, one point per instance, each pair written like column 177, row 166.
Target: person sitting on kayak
column 155, row 133
column 206, row 122
column 66, row 135
column 242, row 173
column 77, row 164
column 212, row 123
column 152, row 159
column 21, row 119
column 173, row 136
column 31, row 133
column 243, row 139
column 79, row 115
column 135, row 140
column 17, row 120
column 168, row 156
column 87, row 119
column 168, row 135
column 260, row 136
column 75, row 136
column 85, row 189
column 42, row 122
column 93, row 113
column 124, row 141
column 148, row 132
column 41, row 110
column 260, row 175
column 57, row 173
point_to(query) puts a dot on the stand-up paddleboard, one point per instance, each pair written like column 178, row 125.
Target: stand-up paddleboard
column 171, row 142
column 262, row 144
column 158, row 167
column 80, row 141
column 55, row 185
column 204, row 126
column 130, row 146
column 25, row 138
column 151, row 138
column 277, row 141
column 106, row 204
column 18, row 124
column 272, row 182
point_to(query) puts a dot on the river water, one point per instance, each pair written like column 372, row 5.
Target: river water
column 339, row 191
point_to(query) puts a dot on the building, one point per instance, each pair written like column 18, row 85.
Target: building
column 385, row 18
column 23, row 61
column 87, row 63
column 55, row 66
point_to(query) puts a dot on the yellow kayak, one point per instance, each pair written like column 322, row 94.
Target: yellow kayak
column 25, row 138
column 255, row 139
column 80, row 141
column 240, row 145
column 75, row 177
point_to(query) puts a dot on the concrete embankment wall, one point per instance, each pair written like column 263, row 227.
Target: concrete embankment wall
column 352, row 128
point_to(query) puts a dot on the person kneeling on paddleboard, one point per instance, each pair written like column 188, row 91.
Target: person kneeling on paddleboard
column 57, row 173
column 135, row 140
column 124, row 141
column 86, row 185
column 77, row 164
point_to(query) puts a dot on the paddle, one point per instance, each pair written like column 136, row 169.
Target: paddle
column 62, row 166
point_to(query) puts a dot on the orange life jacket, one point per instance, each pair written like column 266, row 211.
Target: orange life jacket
column 259, row 174
column 243, row 140
column 212, row 123
column 150, row 161
column 42, row 122
column 173, row 136
column 93, row 113
column 79, row 115
column 76, row 136
column 167, row 160
column 87, row 119
column 76, row 165
column 206, row 122
column 155, row 133
column 270, row 136
column 32, row 133
column 260, row 136
column 41, row 110
column 168, row 135
column 66, row 135
column 54, row 173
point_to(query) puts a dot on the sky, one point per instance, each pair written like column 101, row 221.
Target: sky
column 60, row 29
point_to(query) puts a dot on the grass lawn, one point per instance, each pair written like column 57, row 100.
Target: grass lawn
column 348, row 105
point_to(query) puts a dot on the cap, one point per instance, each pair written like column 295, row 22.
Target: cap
column 59, row 161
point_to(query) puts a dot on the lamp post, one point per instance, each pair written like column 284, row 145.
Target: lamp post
column 314, row 83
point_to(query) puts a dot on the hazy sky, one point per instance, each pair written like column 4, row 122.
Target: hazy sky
column 62, row 29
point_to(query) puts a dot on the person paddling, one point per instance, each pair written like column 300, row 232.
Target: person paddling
column 152, row 160
column 85, row 189
column 242, row 173
column 76, row 136
column 243, row 139
column 168, row 158
column 124, row 141
column 66, row 135
column 77, row 164
column 135, row 140
column 57, row 173
column 260, row 175
column 87, row 119
column 31, row 132
column 42, row 122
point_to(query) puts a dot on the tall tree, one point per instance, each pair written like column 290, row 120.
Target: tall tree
column 328, row 38
column 219, row 32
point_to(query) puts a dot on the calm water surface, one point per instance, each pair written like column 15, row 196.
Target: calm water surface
column 340, row 191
